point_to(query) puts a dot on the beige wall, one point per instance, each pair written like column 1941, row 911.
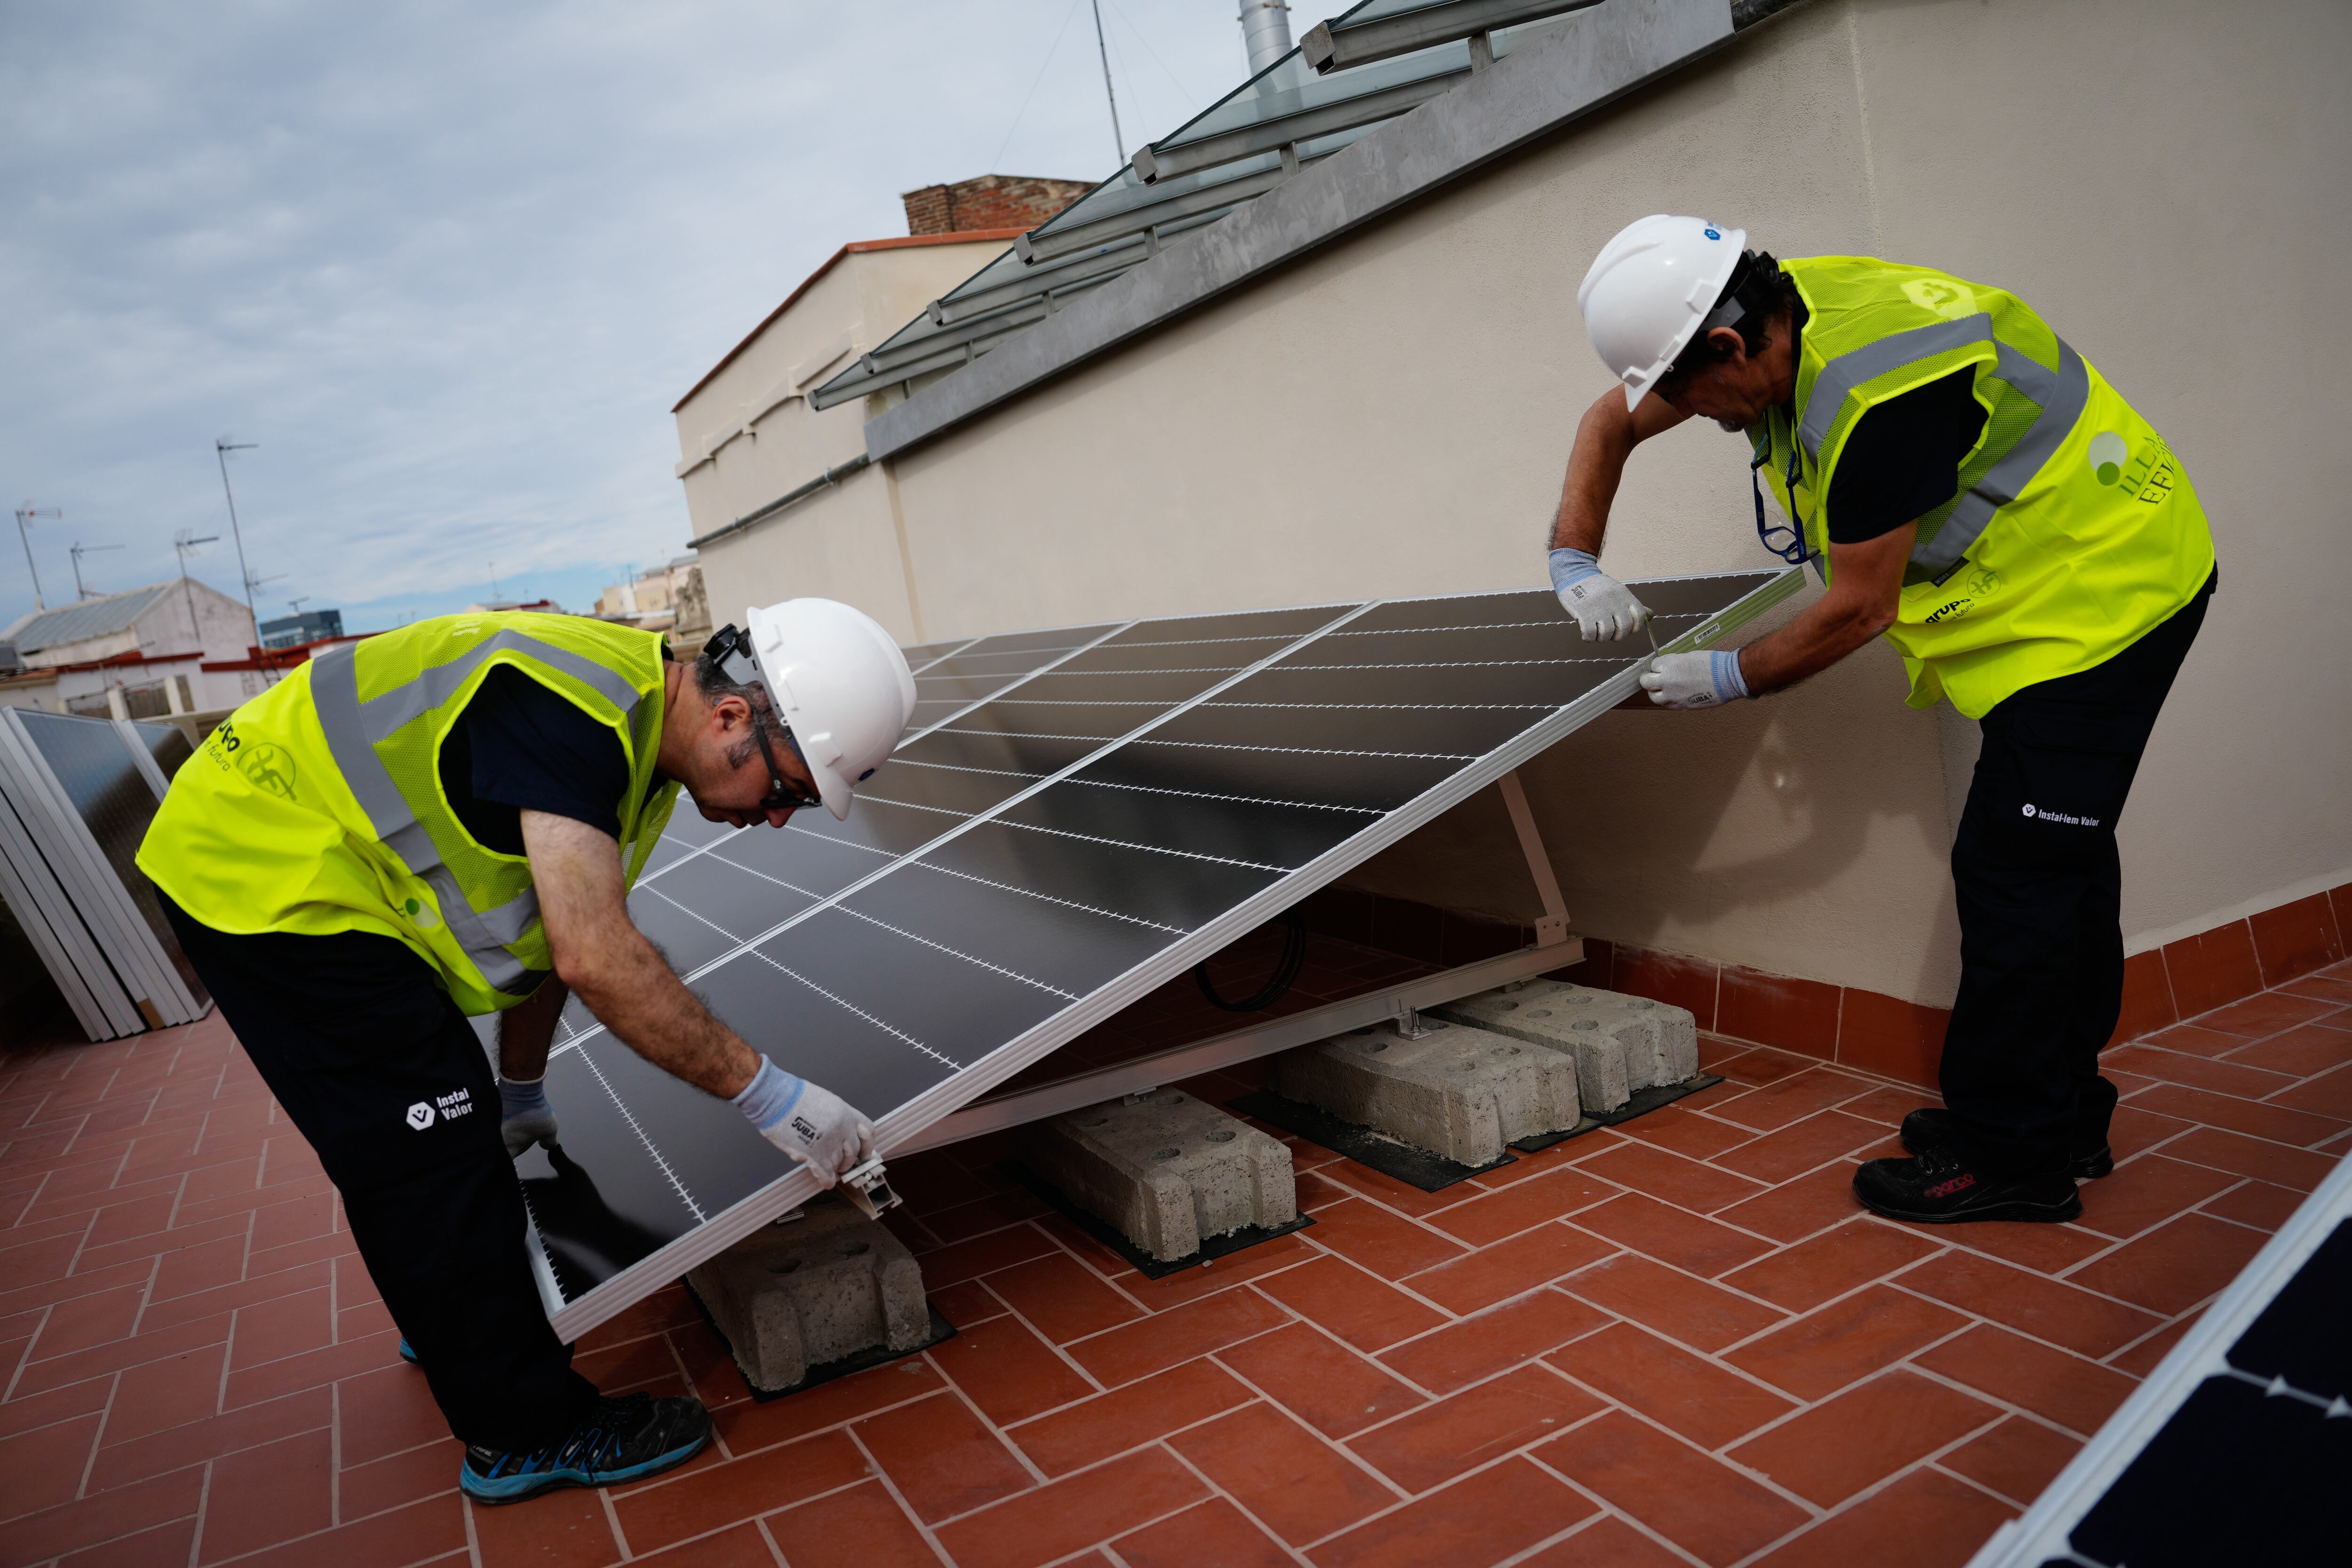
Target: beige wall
column 1391, row 417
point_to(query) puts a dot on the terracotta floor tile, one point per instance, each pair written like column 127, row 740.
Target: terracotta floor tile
column 1704, row 1316
column 1693, row 1394
column 399, row 1480
column 2330, row 1094
column 1128, row 1416
column 970, row 1259
column 1008, row 1371
column 1508, row 1268
column 2135, row 1130
column 1385, row 1244
column 1653, row 1478
column 2257, row 1203
column 1300, row 1486
column 859, row 1527
column 943, row 1459
column 291, row 1374
column 83, row 1322
column 1927, row 1520
column 1798, row 1209
column 1755, row 1063
column 169, row 1392
column 2173, row 1267
column 2321, row 988
column 967, row 1302
column 1322, row 1381
column 565, row 1528
column 2300, row 1051
column 124, row 1510
column 1061, row 1297
column 1480, row 1520
column 2232, row 1077
column 1212, row 1534
column 1799, row 1146
column 85, row 1398
column 1793, row 1097
column 2044, row 1248
column 1686, row 1133
column 422, row 1531
column 166, row 1546
column 2042, row 1308
column 2298, row 1169
column 1218, row 1274
column 983, row 1214
column 2191, row 1038
column 45, row 1466
column 741, row 1547
column 2017, row 1458
column 175, row 1447
column 1067, row 1515
column 290, row 1325
column 1522, row 1205
column 1350, row 1303
column 1831, row 1346
column 1661, row 1173
column 1343, row 1179
column 2076, row 1394
column 1865, row 1435
column 1440, row 1441
column 1478, row 1347
column 2264, row 1013
column 1154, row 1343
column 2147, row 1190
column 1804, row 1276
column 259, row 1497
column 2140, row 1359
column 2275, row 1122
column 1671, row 1234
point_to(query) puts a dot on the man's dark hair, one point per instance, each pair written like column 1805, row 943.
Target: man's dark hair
column 1764, row 295
column 714, row 684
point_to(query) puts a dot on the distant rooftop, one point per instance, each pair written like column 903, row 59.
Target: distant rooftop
column 98, row 618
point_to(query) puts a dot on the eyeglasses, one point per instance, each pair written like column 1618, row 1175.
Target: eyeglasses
column 782, row 797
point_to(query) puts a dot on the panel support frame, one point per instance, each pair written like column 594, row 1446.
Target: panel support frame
column 1553, row 926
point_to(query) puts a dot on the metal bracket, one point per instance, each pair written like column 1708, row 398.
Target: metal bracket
column 1553, row 926
column 1409, row 1026
column 867, row 1186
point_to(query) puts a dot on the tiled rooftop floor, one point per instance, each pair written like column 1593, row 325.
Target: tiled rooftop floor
column 1677, row 1342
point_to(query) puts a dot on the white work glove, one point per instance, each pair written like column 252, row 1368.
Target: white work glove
column 807, row 1120
column 1693, row 679
column 524, row 1116
column 1604, row 608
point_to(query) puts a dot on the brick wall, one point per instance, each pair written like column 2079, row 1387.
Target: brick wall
column 991, row 201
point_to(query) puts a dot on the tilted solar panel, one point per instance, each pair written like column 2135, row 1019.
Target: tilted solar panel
column 1078, row 816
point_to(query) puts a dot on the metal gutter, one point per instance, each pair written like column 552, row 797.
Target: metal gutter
column 797, row 494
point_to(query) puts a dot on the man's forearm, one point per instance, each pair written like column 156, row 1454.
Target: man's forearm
column 1604, row 440
column 634, row 993
column 1828, row 629
column 525, row 1031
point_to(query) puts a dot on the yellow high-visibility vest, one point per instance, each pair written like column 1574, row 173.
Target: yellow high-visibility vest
column 2075, row 531
column 316, row 806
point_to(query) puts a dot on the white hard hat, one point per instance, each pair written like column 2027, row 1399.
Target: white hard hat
column 837, row 681
column 1649, row 291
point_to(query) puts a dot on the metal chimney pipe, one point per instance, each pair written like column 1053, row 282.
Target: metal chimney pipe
column 1266, row 32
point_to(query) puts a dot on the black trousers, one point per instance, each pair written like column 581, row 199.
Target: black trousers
column 389, row 1083
column 2039, row 886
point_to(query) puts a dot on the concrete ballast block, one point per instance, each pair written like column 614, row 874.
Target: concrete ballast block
column 1457, row 1091
column 1167, row 1171
column 1620, row 1043
column 791, row 1296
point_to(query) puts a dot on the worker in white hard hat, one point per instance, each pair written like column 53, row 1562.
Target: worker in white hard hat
column 446, row 820
column 1972, row 488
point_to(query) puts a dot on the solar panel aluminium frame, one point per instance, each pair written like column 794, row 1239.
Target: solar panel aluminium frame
column 50, row 925
column 58, row 886
column 113, row 919
column 899, row 1127
column 2042, row 1534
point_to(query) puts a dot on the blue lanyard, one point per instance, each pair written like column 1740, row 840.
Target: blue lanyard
column 1792, row 549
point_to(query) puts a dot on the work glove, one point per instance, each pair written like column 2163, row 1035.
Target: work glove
column 807, row 1120
column 1693, row 679
column 524, row 1116
column 1604, row 608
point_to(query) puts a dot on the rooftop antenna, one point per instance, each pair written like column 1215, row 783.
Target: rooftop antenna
column 494, row 582
column 1266, row 32
column 1104, row 49
column 24, row 515
column 78, row 552
column 222, row 447
column 295, row 605
column 184, row 541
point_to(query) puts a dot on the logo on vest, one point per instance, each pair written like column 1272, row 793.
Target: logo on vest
column 1951, row 612
column 1984, row 581
column 442, row 1107
column 268, row 768
column 1948, row 297
column 424, row 914
column 420, row 1116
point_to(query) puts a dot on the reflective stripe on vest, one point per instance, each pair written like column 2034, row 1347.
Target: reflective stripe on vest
column 2061, row 394
column 353, row 728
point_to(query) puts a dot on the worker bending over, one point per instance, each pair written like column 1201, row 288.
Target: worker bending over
column 1974, row 491
column 445, row 820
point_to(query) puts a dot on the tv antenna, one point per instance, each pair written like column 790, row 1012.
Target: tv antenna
column 184, row 541
column 78, row 552
column 222, row 447
column 25, row 516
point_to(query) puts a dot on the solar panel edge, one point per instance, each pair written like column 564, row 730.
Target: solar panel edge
column 622, row 1290
column 34, row 916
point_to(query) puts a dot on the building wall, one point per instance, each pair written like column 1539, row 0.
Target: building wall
column 1391, row 417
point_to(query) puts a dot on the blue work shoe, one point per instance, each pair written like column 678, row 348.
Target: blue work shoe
column 618, row 1440
column 408, row 1351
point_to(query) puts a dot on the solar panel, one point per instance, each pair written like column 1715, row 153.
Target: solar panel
column 1079, row 816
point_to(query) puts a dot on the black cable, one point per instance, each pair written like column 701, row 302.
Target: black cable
column 1286, row 970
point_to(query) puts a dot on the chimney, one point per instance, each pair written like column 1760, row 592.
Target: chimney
column 1266, row 32
column 990, row 201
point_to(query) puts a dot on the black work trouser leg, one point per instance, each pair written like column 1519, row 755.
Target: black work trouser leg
column 2039, row 886
column 388, row 1082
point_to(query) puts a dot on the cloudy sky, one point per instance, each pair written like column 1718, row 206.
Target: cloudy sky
column 450, row 265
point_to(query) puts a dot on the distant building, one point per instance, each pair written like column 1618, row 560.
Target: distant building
column 665, row 599
column 536, row 606
column 309, row 625
column 989, row 201
column 169, row 647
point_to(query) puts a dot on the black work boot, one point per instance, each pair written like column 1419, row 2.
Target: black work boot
column 1938, row 1189
column 618, row 1440
column 1927, row 1128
